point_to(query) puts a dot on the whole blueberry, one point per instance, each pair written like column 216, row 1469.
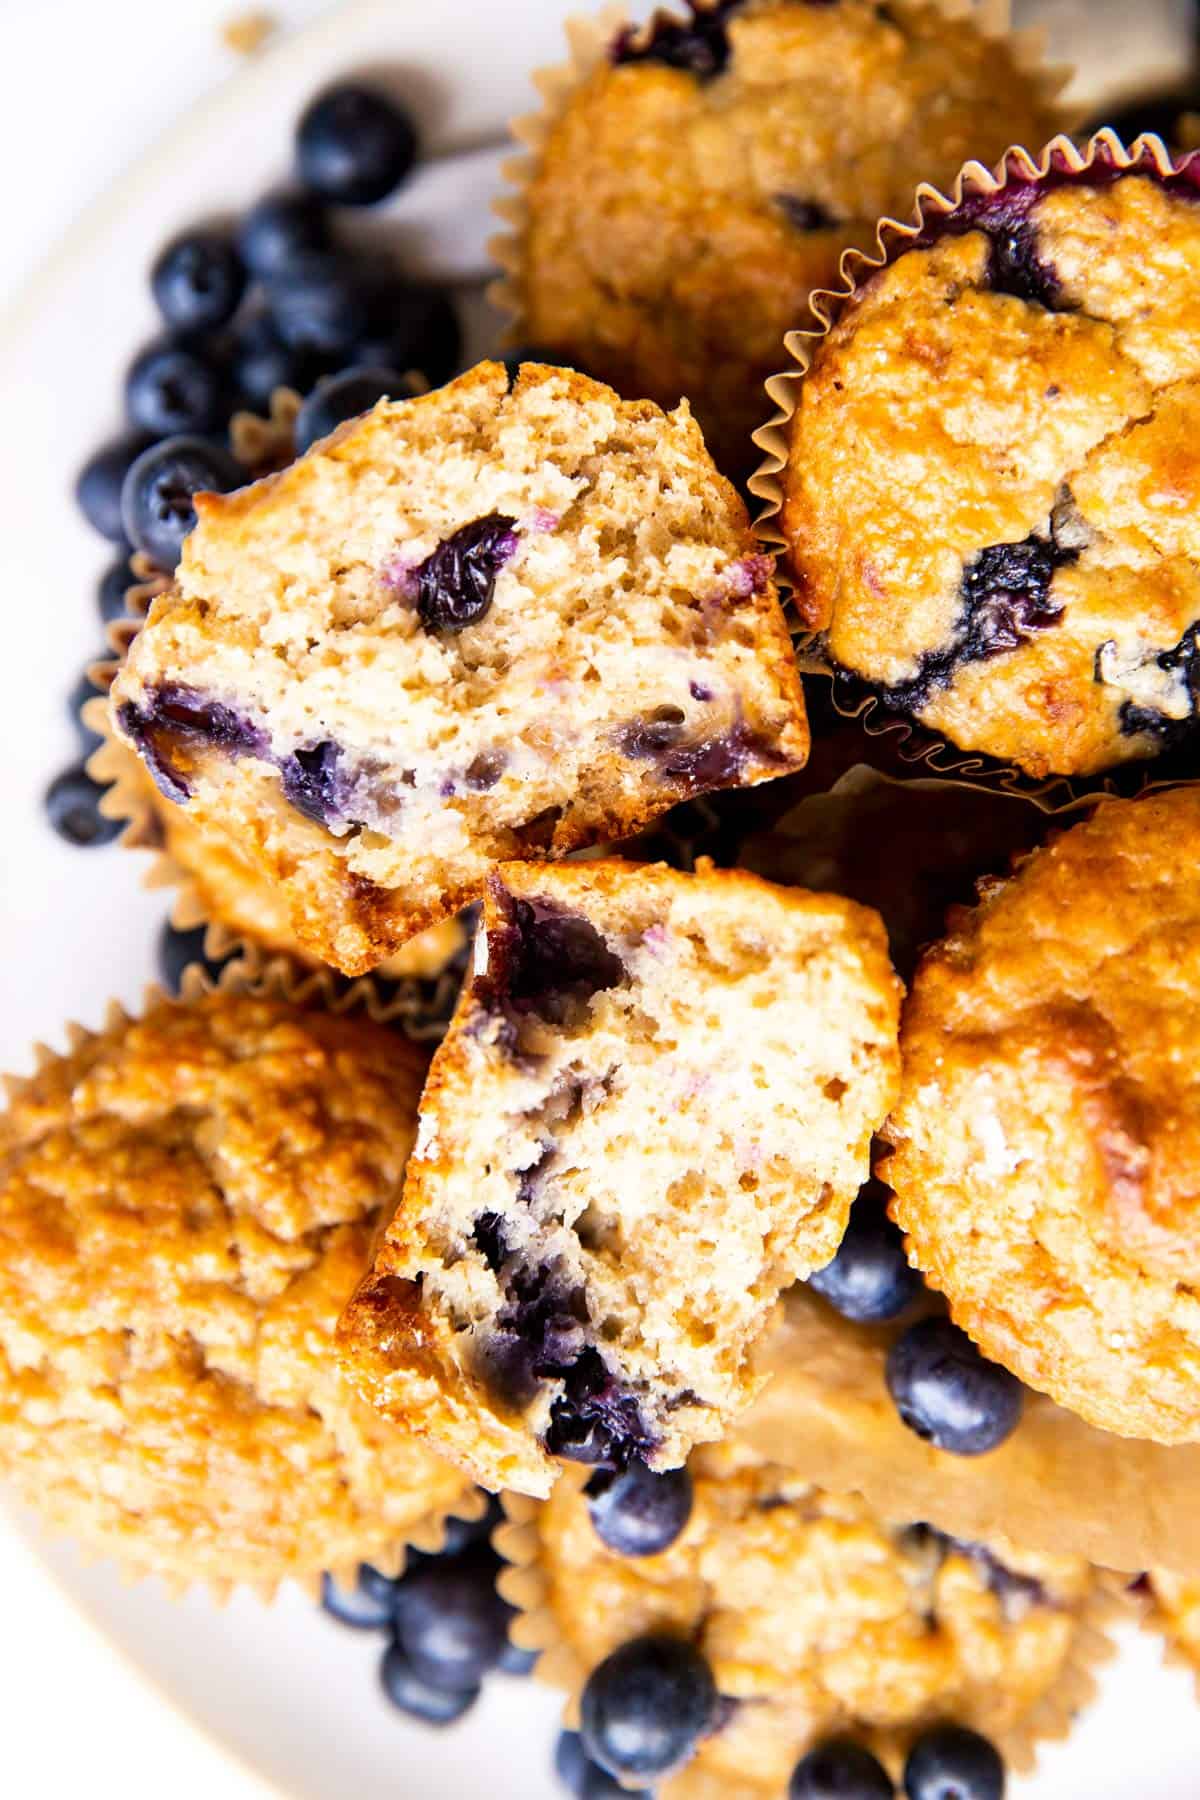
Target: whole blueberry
column 412, row 328
column 98, row 484
column 321, row 304
column 585, row 1779
column 869, row 1279
column 342, row 397
column 279, row 228
column 198, row 281
column 114, row 584
column 840, row 1770
column 83, row 691
column 450, row 1621
column 177, row 951
column 460, row 1534
column 262, row 362
column 646, row 1706
column 173, row 387
column 157, row 501
column 639, row 1512
column 948, row 1393
column 72, row 804
column 366, row 1606
column 408, row 1691
column 952, row 1763
column 354, row 145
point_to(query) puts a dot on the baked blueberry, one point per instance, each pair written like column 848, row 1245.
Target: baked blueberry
column 701, row 45
column 414, row 328
column 321, row 303
column 73, row 809
column 639, row 1512
column 645, row 1707
column 174, row 387
column 367, row 1606
column 456, row 581
column 948, row 1393
column 342, row 397
column 585, row 1779
column 278, row 229
column 98, row 484
column 450, row 1621
column 157, row 499
column 952, row 1763
column 460, row 1534
column 840, row 1770
column 198, row 281
column 262, row 362
column 354, row 145
column 408, row 1691
column 869, row 1279
column 83, row 691
column 177, row 951
column 114, row 585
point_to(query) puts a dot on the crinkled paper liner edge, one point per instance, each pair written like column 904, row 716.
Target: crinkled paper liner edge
column 589, row 39
column 524, row 1585
column 278, row 980
column 1143, row 1605
column 914, row 743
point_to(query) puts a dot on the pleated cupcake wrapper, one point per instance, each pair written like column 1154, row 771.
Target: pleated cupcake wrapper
column 310, row 990
column 524, row 1583
column 925, row 750
column 1152, row 1614
column 589, row 40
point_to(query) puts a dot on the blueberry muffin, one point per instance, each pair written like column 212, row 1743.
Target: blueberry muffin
column 487, row 623
column 705, row 175
column 1176, row 1612
column 818, row 1620
column 990, row 498
column 186, row 1204
column 1047, row 1139
column 651, row 1113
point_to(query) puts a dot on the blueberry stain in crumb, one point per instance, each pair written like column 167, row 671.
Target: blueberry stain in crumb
column 699, row 45
column 456, row 582
column 311, row 783
column 545, row 961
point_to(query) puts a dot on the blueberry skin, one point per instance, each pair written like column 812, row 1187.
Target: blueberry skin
column 585, row 1779
column 262, row 362
column 173, row 387
column 354, row 145
column 342, row 397
column 515, row 1661
column 157, row 498
column 83, row 691
column 461, row 1534
column 952, row 1763
column 869, row 1279
column 948, row 1393
column 362, row 1607
column 114, row 584
column 408, row 1692
column 72, row 803
column 321, row 304
column 198, row 281
column 840, row 1770
column 646, row 1706
column 176, row 951
column 412, row 328
column 451, row 1622
column 639, row 1512
column 98, row 484
column 279, row 228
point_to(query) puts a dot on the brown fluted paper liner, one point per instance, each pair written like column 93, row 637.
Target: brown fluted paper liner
column 915, row 743
column 309, row 990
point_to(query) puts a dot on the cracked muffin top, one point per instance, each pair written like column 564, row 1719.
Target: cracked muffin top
column 707, row 175
column 186, row 1203
column 818, row 1619
column 992, row 493
column 505, row 619
column 1047, row 1161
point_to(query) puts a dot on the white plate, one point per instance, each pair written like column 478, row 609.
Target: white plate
column 285, row 1689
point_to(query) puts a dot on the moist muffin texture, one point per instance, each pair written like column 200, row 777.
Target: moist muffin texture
column 697, row 185
column 651, row 1113
column 482, row 624
column 1030, row 369
column 1047, row 1161
column 186, row 1203
column 819, row 1619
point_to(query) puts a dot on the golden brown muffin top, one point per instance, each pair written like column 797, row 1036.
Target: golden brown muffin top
column 818, row 1618
column 186, row 1203
column 991, row 496
column 1047, row 1167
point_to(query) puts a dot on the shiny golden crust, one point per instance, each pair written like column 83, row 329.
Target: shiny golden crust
column 1047, row 1163
column 1014, row 423
column 186, row 1202
column 633, row 652
column 658, row 1157
column 823, row 1620
column 659, row 249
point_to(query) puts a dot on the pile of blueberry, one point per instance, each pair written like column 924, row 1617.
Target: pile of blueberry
column 269, row 301
column 447, row 1627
